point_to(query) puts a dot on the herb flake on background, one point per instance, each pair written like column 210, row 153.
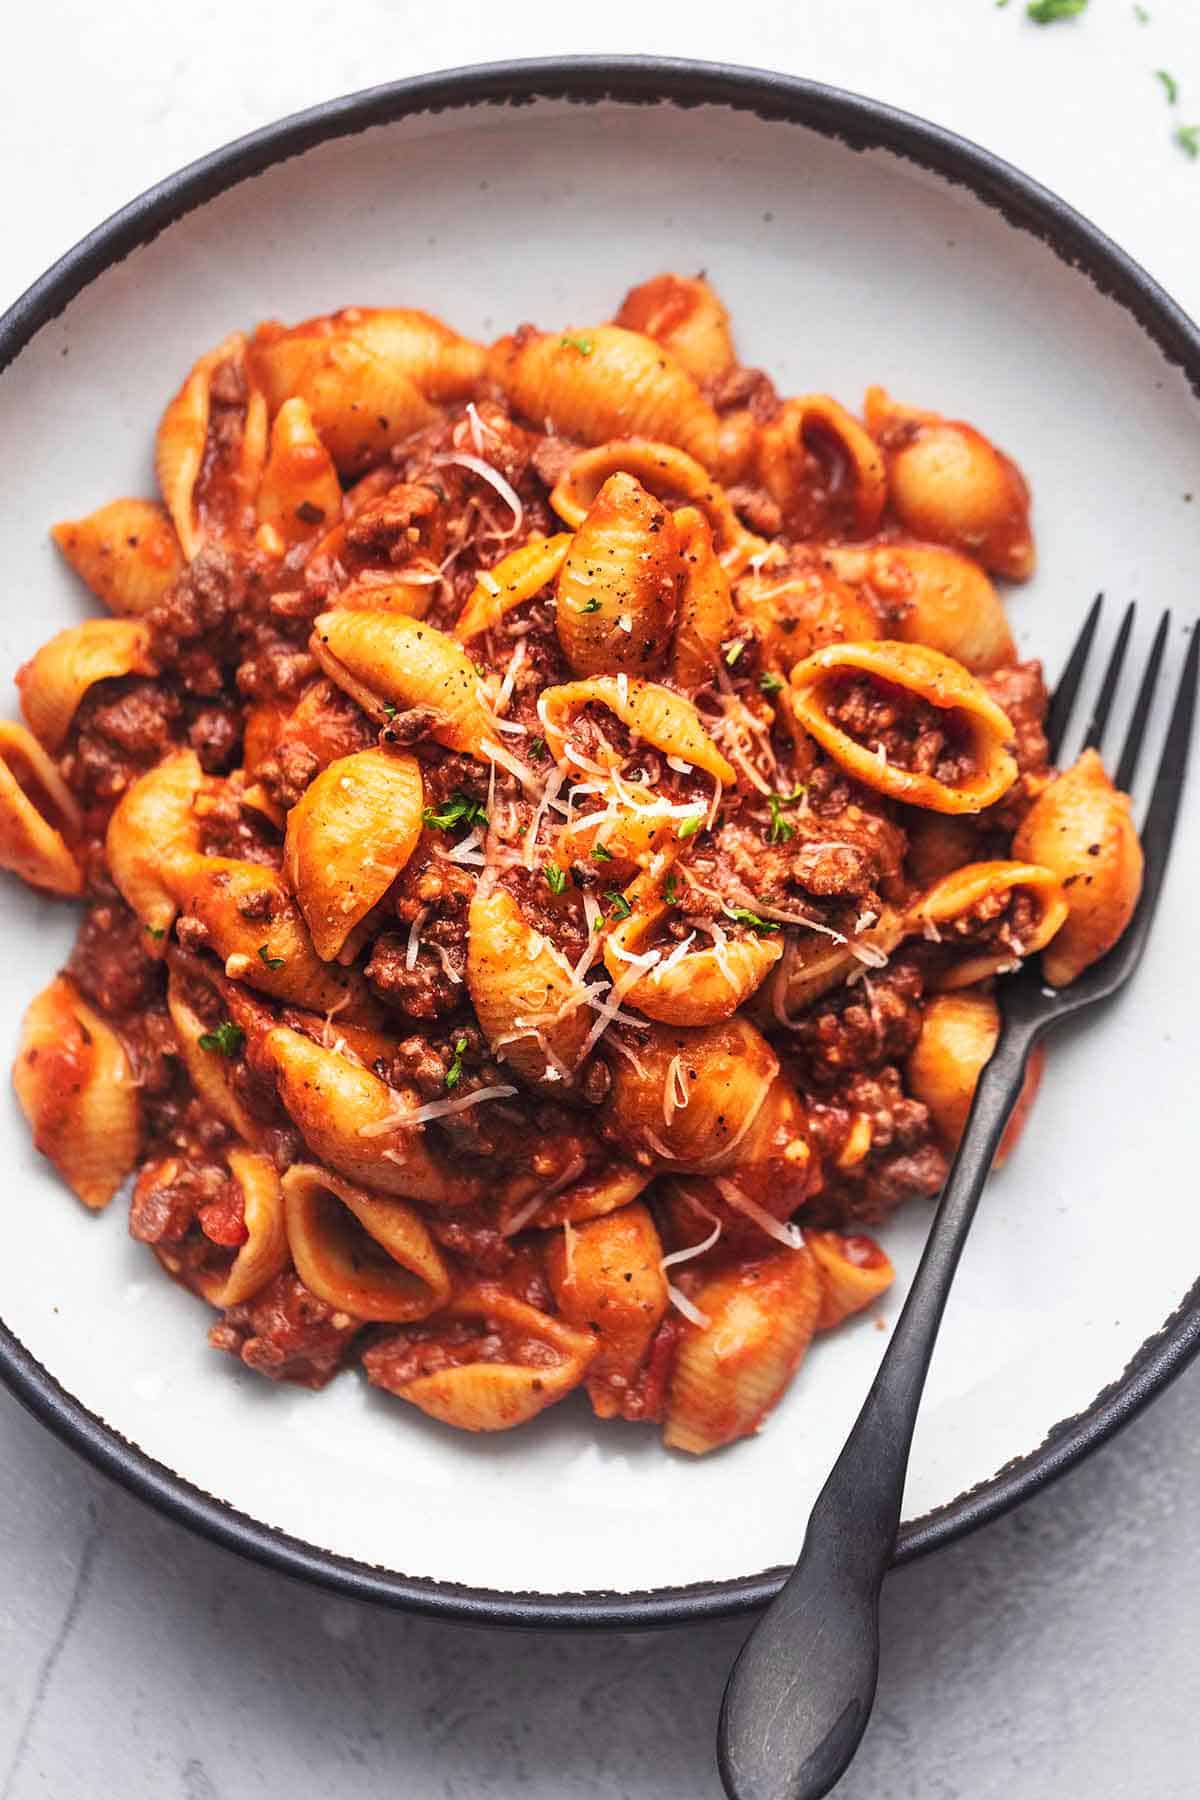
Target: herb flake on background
column 1049, row 12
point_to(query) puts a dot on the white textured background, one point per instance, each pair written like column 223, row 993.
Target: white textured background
column 1055, row 1655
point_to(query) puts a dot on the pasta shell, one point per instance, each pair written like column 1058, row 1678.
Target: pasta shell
column 368, row 1257
column 663, row 718
column 264, row 1255
column 37, row 815
column 959, row 1032
column 153, row 825
column 801, row 610
column 605, row 382
column 854, row 1271
column 727, row 1071
column 210, row 1075
column 607, row 1278
column 812, row 965
column 667, row 473
column 518, row 577
column 731, row 1371
column 528, row 1001
column 180, row 444
column 493, row 1361
column 962, row 904
column 948, row 483
column 618, row 589
column 127, row 552
column 343, row 1112
column 596, row 1193
column 55, row 679
column 684, row 315
column 927, row 677
column 252, row 921
column 705, row 985
column 300, row 492
column 394, row 594
column 824, row 471
column 77, row 1091
column 348, row 837
column 706, row 617
column 370, row 376
column 386, row 662
column 934, row 596
column 1081, row 828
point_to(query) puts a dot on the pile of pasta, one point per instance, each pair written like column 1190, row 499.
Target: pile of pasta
column 550, row 818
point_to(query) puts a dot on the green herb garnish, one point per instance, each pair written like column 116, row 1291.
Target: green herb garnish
column 734, row 651
column 556, row 878
column 537, row 748
column 584, row 345
column 156, row 932
column 227, row 1039
column 769, row 682
column 670, row 891
column 589, row 606
column 1049, row 12
column 272, row 962
column 689, row 827
column 1141, row 15
column 454, row 1072
column 1170, row 85
column 752, row 919
column 601, row 853
column 621, row 908
column 459, row 809
column 781, row 832
column 389, row 709
column 1188, row 139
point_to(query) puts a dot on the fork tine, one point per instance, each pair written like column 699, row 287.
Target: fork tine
column 1059, row 716
column 1098, row 723
column 1131, row 754
column 1168, row 785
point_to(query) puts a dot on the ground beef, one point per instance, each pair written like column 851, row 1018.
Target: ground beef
column 397, row 526
column 830, row 869
column 1006, row 920
column 230, row 829
column 552, row 457
column 275, row 670
column 110, row 963
column 137, row 716
column 1021, row 691
column 173, row 1194
column 912, row 734
column 215, row 735
column 904, row 1160
column 199, row 607
column 412, row 726
column 286, row 1333
column 876, row 1021
column 740, row 387
column 287, row 773
column 423, row 992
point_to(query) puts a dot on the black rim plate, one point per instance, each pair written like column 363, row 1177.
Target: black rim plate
column 862, row 124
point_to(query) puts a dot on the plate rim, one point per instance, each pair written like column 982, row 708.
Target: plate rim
column 862, row 123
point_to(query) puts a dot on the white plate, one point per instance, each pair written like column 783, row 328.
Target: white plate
column 844, row 261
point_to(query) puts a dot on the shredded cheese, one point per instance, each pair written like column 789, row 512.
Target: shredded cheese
column 688, row 1308
column 494, row 479
column 789, row 1235
column 414, row 938
column 403, row 1119
column 675, row 1090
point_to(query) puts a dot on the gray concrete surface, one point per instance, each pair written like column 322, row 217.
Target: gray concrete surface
column 1055, row 1654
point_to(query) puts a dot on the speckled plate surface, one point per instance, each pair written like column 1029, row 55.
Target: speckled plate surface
column 852, row 244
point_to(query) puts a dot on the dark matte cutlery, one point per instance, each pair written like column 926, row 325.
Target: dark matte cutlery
column 801, row 1691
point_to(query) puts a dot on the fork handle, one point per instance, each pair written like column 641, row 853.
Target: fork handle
column 801, row 1691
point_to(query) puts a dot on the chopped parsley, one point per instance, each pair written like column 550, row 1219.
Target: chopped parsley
column 272, row 962
column 752, row 919
column 227, row 1039
column 454, row 1072
column 584, row 345
column 589, row 606
column 689, row 827
column 1141, row 15
column 670, row 891
column 1170, row 85
column 781, row 832
column 1049, row 12
column 389, row 709
column 734, row 651
column 1188, row 139
column 769, row 682
column 621, row 908
column 537, row 748
column 556, row 878
column 459, row 809
column 156, row 932
column 601, row 853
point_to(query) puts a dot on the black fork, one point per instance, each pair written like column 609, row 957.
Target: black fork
column 801, row 1691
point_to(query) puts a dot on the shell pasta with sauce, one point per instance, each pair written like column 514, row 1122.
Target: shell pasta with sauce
column 551, row 818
